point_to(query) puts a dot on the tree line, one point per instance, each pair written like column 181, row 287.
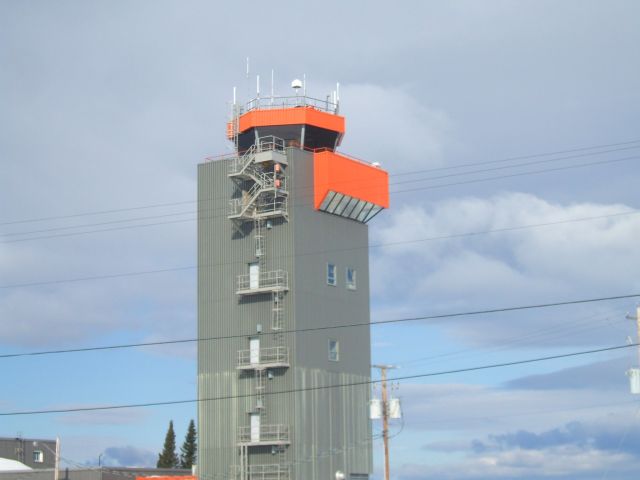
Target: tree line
column 168, row 458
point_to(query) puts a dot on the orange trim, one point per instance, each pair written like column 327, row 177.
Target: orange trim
column 349, row 177
column 291, row 116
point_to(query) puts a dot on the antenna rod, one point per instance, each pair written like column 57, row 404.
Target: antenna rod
column 304, row 84
column 258, row 85
column 248, row 87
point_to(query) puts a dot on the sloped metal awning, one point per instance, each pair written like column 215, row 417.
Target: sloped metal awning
column 350, row 207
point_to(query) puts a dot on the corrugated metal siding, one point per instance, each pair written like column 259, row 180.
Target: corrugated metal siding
column 222, row 255
column 341, row 422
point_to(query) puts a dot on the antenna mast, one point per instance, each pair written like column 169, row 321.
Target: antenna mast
column 272, row 86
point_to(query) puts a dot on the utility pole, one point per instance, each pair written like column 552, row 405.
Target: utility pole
column 385, row 416
column 634, row 373
column 56, row 471
column 638, row 328
column 637, row 319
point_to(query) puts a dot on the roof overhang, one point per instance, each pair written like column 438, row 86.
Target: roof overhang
column 290, row 116
column 348, row 187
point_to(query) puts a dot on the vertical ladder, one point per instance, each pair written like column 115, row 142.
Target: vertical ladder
column 282, row 458
column 277, row 311
column 260, row 386
column 259, row 226
column 244, row 463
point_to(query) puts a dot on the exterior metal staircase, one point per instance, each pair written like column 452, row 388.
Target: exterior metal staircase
column 259, row 174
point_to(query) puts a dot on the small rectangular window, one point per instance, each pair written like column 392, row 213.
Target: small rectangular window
column 38, row 456
column 351, row 278
column 334, row 350
column 331, row 274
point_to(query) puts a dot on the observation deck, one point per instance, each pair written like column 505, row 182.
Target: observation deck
column 300, row 120
column 273, row 357
column 264, row 282
column 264, row 436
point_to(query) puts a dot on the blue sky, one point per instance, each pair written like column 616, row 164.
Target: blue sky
column 112, row 105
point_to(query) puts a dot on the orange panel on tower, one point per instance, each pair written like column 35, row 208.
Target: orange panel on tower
column 291, row 116
column 348, row 181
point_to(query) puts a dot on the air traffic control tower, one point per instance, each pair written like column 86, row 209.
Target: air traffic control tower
column 283, row 248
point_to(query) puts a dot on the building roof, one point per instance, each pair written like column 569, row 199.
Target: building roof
column 7, row 465
column 25, row 439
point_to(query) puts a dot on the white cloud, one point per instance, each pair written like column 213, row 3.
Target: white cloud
column 389, row 126
column 128, row 456
column 556, row 463
column 558, row 262
column 479, row 432
column 466, row 408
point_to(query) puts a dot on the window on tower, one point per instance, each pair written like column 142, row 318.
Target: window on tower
column 334, row 350
column 331, row 274
column 351, row 278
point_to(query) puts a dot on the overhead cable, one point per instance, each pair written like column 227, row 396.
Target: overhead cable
column 322, row 387
column 186, row 202
column 323, row 328
column 319, row 252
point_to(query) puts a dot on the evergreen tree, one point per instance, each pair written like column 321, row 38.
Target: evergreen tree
column 189, row 447
column 168, row 457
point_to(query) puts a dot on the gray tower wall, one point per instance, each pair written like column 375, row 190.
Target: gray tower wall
column 329, row 427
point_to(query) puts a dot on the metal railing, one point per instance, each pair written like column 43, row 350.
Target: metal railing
column 268, row 472
column 274, row 279
column 270, row 142
column 265, row 144
column 238, row 164
column 276, row 206
column 266, row 103
column 236, row 206
column 270, row 205
column 270, row 356
column 274, row 434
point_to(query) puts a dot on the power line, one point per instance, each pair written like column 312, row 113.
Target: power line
column 522, row 157
column 98, row 224
column 377, row 245
column 563, row 330
column 534, row 172
column 365, row 441
column 323, row 328
column 220, row 210
column 185, row 202
column 428, row 187
column 323, row 387
column 526, row 164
